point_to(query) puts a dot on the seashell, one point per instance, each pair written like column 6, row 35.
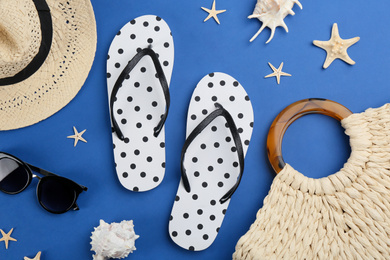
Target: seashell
column 272, row 13
column 115, row 240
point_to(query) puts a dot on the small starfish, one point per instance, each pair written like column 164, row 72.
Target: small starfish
column 37, row 257
column 213, row 13
column 336, row 48
column 77, row 136
column 7, row 237
column 277, row 72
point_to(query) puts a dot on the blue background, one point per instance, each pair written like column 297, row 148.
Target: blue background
column 315, row 145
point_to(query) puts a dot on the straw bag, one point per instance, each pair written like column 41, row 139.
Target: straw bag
column 343, row 216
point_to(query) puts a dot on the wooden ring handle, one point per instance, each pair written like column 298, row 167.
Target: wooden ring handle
column 292, row 113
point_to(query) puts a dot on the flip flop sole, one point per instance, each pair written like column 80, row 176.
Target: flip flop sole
column 211, row 161
column 140, row 157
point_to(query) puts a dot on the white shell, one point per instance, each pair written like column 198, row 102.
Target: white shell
column 115, row 240
column 271, row 13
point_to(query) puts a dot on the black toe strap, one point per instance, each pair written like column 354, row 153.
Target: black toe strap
column 126, row 71
column 220, row 111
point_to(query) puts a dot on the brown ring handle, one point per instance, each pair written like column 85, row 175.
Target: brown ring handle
column 292, row 113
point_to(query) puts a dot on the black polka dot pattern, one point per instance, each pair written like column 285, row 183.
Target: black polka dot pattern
column 140, row 157
column 211, row 161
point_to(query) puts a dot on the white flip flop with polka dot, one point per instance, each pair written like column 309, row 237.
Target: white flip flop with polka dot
column 138, row 101
column 211, row 160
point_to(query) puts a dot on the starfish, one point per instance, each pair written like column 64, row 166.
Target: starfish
column 213, row 13
column 336, row 48
column 77, row 136
column 37, row 257
column 277, row 72
column 7, row 237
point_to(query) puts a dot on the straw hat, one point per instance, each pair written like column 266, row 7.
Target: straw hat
column 46, row 51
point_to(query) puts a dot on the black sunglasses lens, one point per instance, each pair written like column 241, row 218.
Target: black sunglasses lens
column 13, row 176
column 56, row 194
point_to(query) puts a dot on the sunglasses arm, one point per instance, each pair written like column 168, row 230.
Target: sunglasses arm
column 47, row 173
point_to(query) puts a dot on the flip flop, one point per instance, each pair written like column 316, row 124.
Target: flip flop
column 139, row 68
column 219, row 128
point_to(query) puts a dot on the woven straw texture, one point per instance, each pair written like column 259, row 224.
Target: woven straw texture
column 343, row 216
column 20, row 36
column 65, row 69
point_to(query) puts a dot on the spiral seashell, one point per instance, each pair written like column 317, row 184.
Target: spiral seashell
column 272, row 13
column 115, row 240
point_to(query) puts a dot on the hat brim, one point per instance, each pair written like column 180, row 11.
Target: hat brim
column 62, row 74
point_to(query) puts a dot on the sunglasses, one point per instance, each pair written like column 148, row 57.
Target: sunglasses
column 56, row 194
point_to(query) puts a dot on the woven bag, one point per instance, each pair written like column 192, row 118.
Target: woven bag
column 343, row 216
